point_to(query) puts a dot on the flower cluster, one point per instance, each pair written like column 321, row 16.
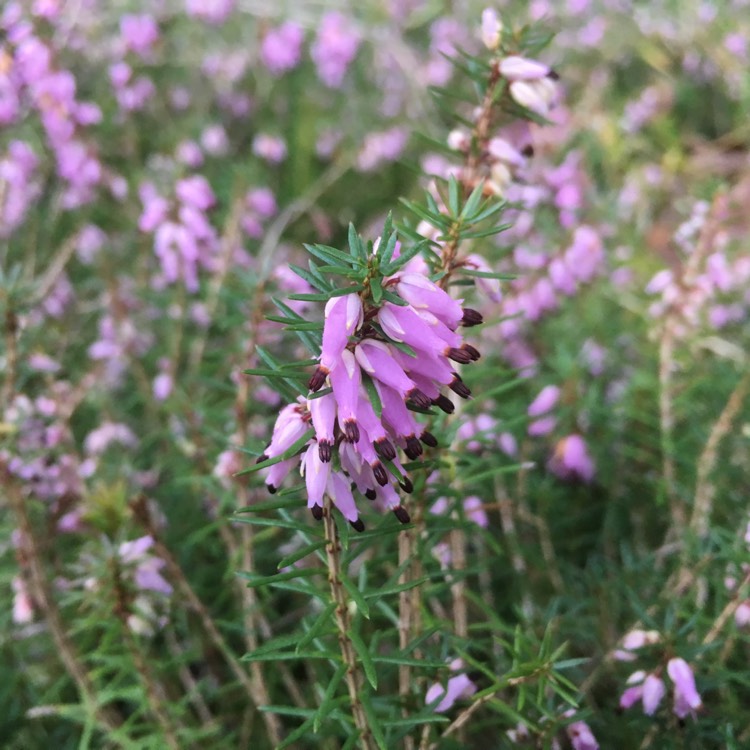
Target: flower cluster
column 649, row 687
column 504, row 152
column 484, row 432
column 145, row 591
column 334, row 48
column 512, row 161
column 42, row 458
column 545, row 280
column 708, row 288
column 119, row 336
column 19, row 187
column 184, row 239
column 146, row 573
column 578, row 732
column 132, row 93
column 214, row 12
column 381, row 363
column 31, row 81
column 260, row 206
column 281, row 49
column 381, row 146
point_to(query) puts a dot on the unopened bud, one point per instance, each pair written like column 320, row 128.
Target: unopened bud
column 528, row 94
column 400, row 513
column 500, row 149
column 459, row 140
column 516, row 68
column 501, row 176
column 492, row 29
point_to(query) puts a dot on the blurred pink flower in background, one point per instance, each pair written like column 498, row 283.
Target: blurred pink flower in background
column 139, row 32
column 571, row 459
column 269, row 147
column 210, row 11
column 98, row 440
column 545, row 401
column 458, row 688
column 334, row 48
column 281, row 48
column 380, row 147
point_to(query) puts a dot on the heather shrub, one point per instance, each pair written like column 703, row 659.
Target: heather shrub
column 374, row 375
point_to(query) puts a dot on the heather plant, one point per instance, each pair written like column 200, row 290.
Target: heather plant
column 374, row 375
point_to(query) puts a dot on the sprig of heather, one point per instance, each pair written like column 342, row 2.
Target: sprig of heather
column 392, row 337
column 389, row 348
column 392, row 340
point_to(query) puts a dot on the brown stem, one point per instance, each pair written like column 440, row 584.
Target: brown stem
column 546, row 546
column 470, row 173
column 353, row 675
column 11, row 355
column 190, row 686
column 666, row 421
column 410, row 601
column 176, row 573
column 705, row 490
column 468, row 712
column 688, row 574
column 667, row 349
column 405, row 622
column 253, row 617
column 230, row 239
column 54, row 270
column 462, row 718
column 727, row 612
column 42, row 595
column 155, row 695
column 458, row 587
column 517, row 559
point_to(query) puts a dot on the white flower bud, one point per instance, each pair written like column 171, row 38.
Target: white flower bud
column 529, row 95
column 516, row 68
column 492, row 29
column 500, row 175
column 459, row 140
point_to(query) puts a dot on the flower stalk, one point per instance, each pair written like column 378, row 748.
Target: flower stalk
column 353, row 676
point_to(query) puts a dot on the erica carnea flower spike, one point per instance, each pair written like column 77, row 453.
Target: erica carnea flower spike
column 389, row 348
column 392, row 335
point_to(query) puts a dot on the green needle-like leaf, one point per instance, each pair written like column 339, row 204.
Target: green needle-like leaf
column 365, row 658
column 292, row 451
column 372, row 721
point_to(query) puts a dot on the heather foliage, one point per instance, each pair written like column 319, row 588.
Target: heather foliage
column 374, row 376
